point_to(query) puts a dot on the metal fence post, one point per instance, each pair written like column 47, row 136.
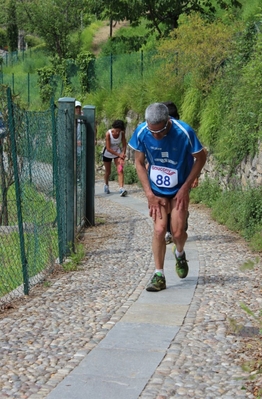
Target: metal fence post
column 111, row 71
column 18, row 193
column 28, row 88
column 142, row 62
column 89, row 113
column 66, row 196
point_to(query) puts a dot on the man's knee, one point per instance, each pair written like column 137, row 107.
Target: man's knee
column 160, row 230
column 178, row 233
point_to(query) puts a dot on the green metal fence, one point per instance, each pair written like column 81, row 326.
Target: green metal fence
column 42, row 207
column 107, row 72
column 25, row 86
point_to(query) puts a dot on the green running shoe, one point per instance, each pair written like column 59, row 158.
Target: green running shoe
column 157, row 283
column 181, row 264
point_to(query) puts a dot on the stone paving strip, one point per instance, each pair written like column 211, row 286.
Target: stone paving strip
column 203, row 359
column 47, row 336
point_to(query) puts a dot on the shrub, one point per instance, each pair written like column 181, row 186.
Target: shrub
column 3, row 38
column 206, row 193
column 33, row 41
column 130, row 174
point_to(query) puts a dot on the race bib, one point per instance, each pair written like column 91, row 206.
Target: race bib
column 163, row 177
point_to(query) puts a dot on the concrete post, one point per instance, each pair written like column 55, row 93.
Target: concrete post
column 66, row 143
column 89, row 113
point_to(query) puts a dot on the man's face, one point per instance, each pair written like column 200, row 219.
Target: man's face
column 158, row 130
column 78, row 110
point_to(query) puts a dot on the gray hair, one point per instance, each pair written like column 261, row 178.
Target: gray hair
column 156, row 113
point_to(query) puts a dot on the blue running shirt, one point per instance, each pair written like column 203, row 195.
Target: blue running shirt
column 171, row 158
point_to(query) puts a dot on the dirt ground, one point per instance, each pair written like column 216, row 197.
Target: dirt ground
column 103, row 34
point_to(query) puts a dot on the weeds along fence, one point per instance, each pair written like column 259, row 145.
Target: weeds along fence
column 25, row 86
column 12, row 58
column 42, row 207
column 107, row 73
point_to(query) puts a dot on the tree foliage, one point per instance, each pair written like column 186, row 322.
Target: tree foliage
column 162, row 15
column 86, row 64
column 198, row 50
column 54, row 21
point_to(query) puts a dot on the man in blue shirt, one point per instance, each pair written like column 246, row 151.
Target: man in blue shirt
column 166, row 144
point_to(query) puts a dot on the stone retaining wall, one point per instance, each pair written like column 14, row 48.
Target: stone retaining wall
column 248, row 173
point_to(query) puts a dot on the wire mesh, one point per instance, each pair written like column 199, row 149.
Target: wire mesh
column 43, row 191
column 29, row 238
column 106, row 72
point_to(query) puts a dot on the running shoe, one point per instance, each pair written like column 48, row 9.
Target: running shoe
column 157, row 283
column 181, row 264
column 168, row 238
column 122, row 192
column 106, row 189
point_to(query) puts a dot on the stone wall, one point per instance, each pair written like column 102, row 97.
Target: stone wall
column 248, row 173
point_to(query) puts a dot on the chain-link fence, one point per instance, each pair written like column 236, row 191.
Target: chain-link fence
column 41, row 206
column 28, row 229
column 107, row 72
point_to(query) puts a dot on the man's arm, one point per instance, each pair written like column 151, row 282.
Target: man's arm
column 154, row 202
column 182, row 195
column 142, row 172
column 200, row 160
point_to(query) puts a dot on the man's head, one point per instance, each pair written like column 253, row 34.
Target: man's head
column 78, row 107
column 157, row 117
column 156, row 113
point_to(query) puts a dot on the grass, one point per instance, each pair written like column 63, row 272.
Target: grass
column 75, row 258
column 40, row 245
column 240, row 210
column 41, row 250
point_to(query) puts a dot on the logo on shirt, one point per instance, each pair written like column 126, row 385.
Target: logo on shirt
column 162, row 169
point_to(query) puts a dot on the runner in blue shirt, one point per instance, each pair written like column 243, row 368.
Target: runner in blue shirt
column 167, row 144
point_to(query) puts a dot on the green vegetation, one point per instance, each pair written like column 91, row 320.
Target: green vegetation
column 41, row 251
column 74, row 259
column 237, row 208
column 41, row 238
column 130, row 174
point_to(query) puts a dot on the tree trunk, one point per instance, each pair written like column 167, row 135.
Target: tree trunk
column 111, row 28
column 4, row 190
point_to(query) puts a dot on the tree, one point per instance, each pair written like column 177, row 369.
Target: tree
column 162, row 15
column 6, row 161
column 12, row 28
column 54, row 21
column 114, row 10
column 198, row 50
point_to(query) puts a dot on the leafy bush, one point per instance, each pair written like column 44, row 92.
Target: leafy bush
column 122, row 45
column 3, row 38
column 238, row 209
column 130, row 174
column 98, row 153
column 33, row 41
column 206, row 193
